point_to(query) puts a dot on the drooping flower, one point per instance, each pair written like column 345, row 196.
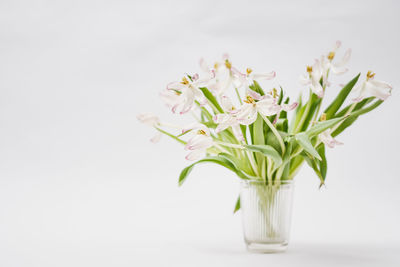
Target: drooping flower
column 266, row 105
column 313, row 78
column 184, row 93
column 250, row 77
column 199, row 142
column 225, row 75
column 150, row 120
column 228, row 119
column 371, row 87
column 335, row 67
column 327, row 139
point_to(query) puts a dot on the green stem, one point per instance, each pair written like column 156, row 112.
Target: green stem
column 170, row 135
column 276, row 133
column 238, row 95
column 304, row 115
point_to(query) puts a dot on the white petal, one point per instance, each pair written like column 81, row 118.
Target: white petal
column 156, row 138
column 328, row 140
column 226, row 103
column 175, row 85
column 378, row 89
column 253, row 94
column 148, row 119
column 195, row 154
column 304, row 79
column 287, row 107
column 199, row 141
column 247, row 114
column 268, row 107
column 264, row 76
column 221, row 118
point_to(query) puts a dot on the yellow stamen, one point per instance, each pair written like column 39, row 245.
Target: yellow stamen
column 249, row 100
column 274, row 93
column 216, row 65
column 201, row 132
column 228, row 64
column 309, row 69
column 370, row 75
column 248, row 71
column 323, row 117
column 331, row 55
column 184, row 81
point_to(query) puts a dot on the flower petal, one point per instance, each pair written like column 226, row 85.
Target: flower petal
column 195, row 154
column 264, row 76
column 148, row 119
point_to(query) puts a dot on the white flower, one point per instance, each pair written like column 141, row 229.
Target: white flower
column 313, row 77
column 224, row 75
column 250, row 77
column 266, row 105
column 371, row 87
column 199, row 142
column 327, row 139
column 150, row 120
column 228, row 119
column 184, row 93
column 335, row 67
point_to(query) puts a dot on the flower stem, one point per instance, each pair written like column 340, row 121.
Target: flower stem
column 276, row 133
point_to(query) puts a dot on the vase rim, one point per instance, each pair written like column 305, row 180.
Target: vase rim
column 261, row 182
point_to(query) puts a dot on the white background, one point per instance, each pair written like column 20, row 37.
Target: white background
column 80, row 185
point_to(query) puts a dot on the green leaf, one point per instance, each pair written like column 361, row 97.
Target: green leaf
column 268, row 151
column 242, row 168
column 237, row 205
column 304, row 141
column 353, row 117
column 214, row 159
column 322, row 126
column 212, row 99
column 340, row 98
column 359, row 105
column 323, row 164
column 258, row 132
column 314, row 165
column 256, row 87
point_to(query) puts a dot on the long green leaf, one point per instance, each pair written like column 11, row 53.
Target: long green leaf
column 353, row 117
column 314, row 165
column 304, row 141
column 212, row 99
column 214, row 159
column 237, row 205
column 323, row 164
column 268, row 151
column 322, row 126
column 340, row 98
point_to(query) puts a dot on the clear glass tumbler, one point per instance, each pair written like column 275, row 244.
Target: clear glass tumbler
column 266, row 213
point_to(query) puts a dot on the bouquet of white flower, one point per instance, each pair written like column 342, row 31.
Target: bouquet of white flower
column 254, row 138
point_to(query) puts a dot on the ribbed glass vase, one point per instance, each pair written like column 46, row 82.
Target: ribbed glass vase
column 266, row 212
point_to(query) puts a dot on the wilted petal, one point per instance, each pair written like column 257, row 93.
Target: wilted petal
column 253, row 94
column 328, row 140
column 247, row 114
column 268, row 107
column 175, row 86
column 148, row 119
column 196, row 154
column 199, row 141
column 287, row 107
column 264, row 76
column 305, row 79
column 378, row 89
column 221, row 118
column 226, row 103
column 156, row 138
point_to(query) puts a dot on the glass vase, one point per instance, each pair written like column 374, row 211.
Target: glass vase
column 266, row 212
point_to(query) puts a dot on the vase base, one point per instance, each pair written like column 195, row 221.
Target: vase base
column 267, row 247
